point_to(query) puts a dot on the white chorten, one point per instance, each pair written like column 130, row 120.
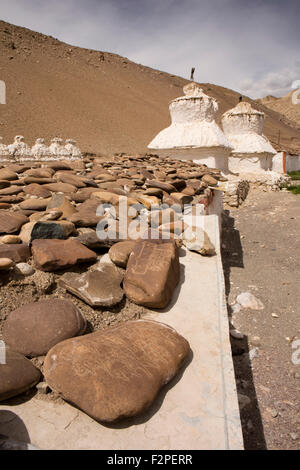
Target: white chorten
column 40, row 151
column 4, row 153
column 19, row 150
column 72, row 150
column 57, row 150
column 193, row 133
column 252, row 151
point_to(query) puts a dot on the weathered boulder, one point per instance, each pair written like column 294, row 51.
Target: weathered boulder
column 34, row 204
column 116, row 373
column 51, row 255
column 169, row 188
column 196, row 239
column 11, row 190
column 61, row 187
column 50, row 230
column 6, row 264
column 100, row 287
column 152, row 273
column 89, row 238
column 11, row 222
column 86, row 215
column 7, row 174
column 16, row 252
column 67, row 177
column 119, row 253
column 35, row 189
column 16, row 376
column 59, row 201
column 9, row 239
column 34, row 328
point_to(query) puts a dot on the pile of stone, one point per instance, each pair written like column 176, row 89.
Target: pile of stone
column 49, row 222
column 19, row 151
column 59, row 215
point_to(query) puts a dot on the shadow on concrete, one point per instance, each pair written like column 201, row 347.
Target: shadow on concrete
column 252, row 427
column 156, row 405
column 13, row 432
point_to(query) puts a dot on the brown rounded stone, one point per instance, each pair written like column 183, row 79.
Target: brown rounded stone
column 7, row 174
column 17, row 252
column 4, row 184
column 34, row 204
column 11, row 190
column 37, row 190
column 17, row 375
column 119, row 253
column 59, row 201
column 51, row 255
column 11, row 222
column 100, row 287
column 61, row 187
column 34, row 328
column 10, row 239
column 6, row 264
column 69, row 178
column 116, row 373
column 152, row 273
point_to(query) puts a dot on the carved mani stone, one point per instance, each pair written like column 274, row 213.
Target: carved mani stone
column 116, row 373
column 152, row 273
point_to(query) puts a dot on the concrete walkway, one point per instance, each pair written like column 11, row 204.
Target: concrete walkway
column 197, row 410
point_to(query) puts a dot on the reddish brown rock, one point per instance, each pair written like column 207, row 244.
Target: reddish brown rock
column 119, row 253
column 40, row 172
column 51, row 255
column 7, row 174
column 4, row 184
column 152, row 273
column 83, row 194
column 69, row 178
column 11, row 222
column 59, row 201
column 210, row 180
column 11, row 190
column 35, row 180
column 17, row 252
column 169, row 188
column 36, row 327
column 86, row 214
column 98, row 288
column 34, row 204
column 37, row 190
column 116, row 373
column 61, row 187
column 16, row 376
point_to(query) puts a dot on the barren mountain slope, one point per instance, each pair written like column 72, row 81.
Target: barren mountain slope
column 106, row 102
column 284, row 106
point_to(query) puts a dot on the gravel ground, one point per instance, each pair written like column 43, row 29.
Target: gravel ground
column 261, row 245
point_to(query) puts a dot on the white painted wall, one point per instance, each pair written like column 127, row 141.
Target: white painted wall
column 292, row 162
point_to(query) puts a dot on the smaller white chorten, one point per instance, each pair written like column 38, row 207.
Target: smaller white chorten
column 19, row 150
column 193, row 133
column 57, row 150
column 252, row 151
column 40, row 151
column 4, row 153
column 73, row 151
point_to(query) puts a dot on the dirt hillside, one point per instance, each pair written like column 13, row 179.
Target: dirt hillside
column 284, row 106
column 104, row 101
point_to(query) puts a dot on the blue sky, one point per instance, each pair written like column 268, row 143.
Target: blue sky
column 249, row 46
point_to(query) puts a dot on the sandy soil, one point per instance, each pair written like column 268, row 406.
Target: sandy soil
column 261, row 255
